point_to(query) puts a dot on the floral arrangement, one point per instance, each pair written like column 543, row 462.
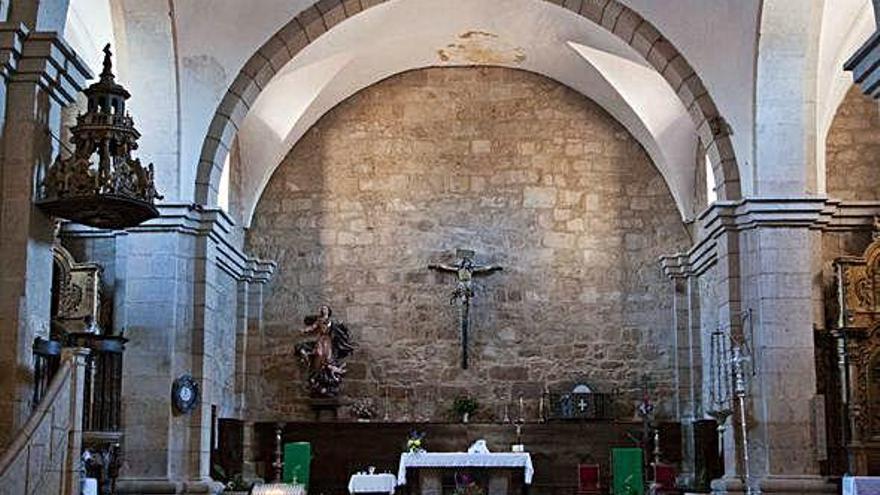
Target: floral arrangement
column 234, row 483
column 363, row 409
column 465, row 406
column 415, row 442
column 466, row 485
column 237, row 484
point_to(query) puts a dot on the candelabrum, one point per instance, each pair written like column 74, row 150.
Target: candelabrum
column 518, row 423
column 278, row 463
column 720, row 392
column 654, row 487
column 728, row 390
column 739, row 361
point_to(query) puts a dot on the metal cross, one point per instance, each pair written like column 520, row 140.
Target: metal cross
column 465, row 270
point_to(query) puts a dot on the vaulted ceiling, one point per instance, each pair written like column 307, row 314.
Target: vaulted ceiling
column 180, row 58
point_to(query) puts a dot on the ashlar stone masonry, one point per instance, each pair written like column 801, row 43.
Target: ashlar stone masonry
column 523, row 170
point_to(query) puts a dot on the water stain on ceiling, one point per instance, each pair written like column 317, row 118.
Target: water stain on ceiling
column 481, row 47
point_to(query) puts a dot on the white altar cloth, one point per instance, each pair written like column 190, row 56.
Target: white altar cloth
column 372, row 483
column 464, row 459
column 861, row 485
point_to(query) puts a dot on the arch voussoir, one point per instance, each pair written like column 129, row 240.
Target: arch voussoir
column 627, row 23
column 294, row 36
column 245, row 88
column 610, row 14
column 312, row 22
column 351, row 7
column 677, row 71
column 593, row 9
column 332, row 11
column 366, row 4
column 644, row 38
column 274, row 50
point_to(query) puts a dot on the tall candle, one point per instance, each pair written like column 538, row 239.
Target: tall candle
column 521, row 409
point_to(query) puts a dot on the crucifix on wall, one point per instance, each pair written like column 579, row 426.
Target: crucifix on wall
column 465, row 270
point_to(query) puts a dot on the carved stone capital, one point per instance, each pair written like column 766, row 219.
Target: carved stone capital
column 12, row 36
column 865, row 66
column 47, row 61
column 676, row 265
column 194, row 220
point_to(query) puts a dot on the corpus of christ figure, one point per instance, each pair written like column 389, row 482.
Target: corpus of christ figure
column 465, row 270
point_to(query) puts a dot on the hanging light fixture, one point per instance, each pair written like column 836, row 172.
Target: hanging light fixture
column 100, row 184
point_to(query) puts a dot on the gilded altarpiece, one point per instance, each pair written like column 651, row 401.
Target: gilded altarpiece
column 856, row 326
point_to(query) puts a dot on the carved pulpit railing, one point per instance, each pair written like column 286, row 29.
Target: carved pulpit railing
column 47, row 360
column 78, row 321
column 856, row 327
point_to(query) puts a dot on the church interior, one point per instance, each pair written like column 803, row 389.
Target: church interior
column 440, row 247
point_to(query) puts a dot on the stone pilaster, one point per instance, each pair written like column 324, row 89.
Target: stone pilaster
column 677, row 269
column 178, row 286
column 40, row 75
column 771, row 308
column 753, row 274
column 684, row 271
column 241, row 346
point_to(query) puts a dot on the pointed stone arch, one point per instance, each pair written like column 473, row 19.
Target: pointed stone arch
column 714, row 132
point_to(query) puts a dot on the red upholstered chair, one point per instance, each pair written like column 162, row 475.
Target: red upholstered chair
column 588, row 479
column 664, row 476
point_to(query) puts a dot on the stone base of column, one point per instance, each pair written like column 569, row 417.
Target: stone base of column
column 778, row 484
column 167, row 487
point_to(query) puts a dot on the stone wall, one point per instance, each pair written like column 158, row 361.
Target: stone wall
column 221, row 366
column 523, row 170
column 853, row 149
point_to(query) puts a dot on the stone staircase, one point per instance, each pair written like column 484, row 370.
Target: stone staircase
column 44, row 456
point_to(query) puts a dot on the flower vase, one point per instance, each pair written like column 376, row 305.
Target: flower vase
column 465, row 417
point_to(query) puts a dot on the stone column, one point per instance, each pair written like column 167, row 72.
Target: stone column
column 41, row 74
column 776, row 241
column 241, row 345
column 688, row 333
column 170, row 275
column 676, row 267
column 253, row 403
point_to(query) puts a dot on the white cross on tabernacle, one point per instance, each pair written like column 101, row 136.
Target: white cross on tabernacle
column 582, row 405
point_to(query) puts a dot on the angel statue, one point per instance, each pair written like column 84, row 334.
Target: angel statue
column 323, row 356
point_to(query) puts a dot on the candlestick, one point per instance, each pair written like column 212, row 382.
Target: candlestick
column 541, row 409
column 387, row 416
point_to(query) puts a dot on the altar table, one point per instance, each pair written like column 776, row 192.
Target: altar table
column 861, row 485
column 465, row 460
column 503, row 473
column 372, row 483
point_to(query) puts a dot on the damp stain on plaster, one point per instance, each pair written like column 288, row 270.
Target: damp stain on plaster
column 480, row 47
column 206, row 70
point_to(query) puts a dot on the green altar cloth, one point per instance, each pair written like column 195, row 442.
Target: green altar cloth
column 626, row 471
column 297, row 460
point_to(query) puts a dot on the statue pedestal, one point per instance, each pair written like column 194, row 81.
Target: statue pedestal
column 325, row 409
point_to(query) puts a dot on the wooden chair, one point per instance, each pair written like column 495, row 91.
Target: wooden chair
column 588, row 479
column 664, row 477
